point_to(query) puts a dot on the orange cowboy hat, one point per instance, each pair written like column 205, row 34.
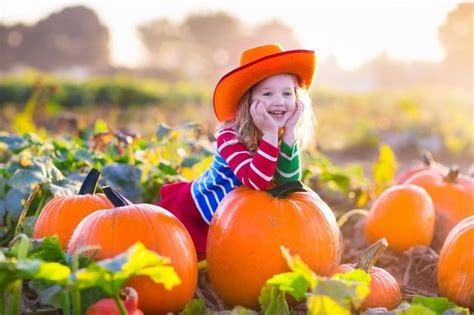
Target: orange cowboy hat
column 256, row 64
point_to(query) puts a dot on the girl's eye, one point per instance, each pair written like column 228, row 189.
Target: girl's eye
column 288, row 94
column 267, row 94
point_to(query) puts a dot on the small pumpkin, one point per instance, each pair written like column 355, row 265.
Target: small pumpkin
column 109, row 307
column 404, row 215
column 116, row 229
column 248, row 228
column 384, row 289
column 456, row 264
column 425, row 163
column 453, row 198
column 61, row 215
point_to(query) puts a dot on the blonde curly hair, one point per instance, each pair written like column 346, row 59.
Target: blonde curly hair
column 249, row 134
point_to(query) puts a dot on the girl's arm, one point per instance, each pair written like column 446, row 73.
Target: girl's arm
column 253, row 171
column 288, row 163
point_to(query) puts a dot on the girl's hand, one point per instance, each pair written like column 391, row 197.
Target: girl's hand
column 261, row 118
column 295, row 117
column 264, row 122
column 289, row 134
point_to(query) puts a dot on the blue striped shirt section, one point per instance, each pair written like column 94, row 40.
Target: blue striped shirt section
column 212, row 186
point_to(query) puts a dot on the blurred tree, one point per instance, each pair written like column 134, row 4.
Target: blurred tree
column 11, row 40
column 71, row 37
column 206, row 45
column 275, row 31
column 457, row 37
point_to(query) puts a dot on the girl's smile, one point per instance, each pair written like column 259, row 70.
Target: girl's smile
column 278, row 95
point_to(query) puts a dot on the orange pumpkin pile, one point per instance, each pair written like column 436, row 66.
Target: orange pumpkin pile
column 246, row 233
column 118, row 228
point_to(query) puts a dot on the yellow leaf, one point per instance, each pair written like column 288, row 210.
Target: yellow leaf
column 322, row 305
column 191, row 173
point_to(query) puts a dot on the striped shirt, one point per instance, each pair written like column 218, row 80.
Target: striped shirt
column 234, row 165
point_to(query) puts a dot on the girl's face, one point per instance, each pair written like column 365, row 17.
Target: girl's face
column 278, row 95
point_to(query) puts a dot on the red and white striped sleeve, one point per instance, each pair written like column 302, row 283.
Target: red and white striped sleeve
column 253, row 171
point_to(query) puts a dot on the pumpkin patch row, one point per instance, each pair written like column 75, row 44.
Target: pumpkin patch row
column 250, row 226
column 431, row 205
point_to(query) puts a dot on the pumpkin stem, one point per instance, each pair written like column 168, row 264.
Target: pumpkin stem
column 115, row 197
column 453, row 174
column 370, row 256
column 90, row 183
column 427, row 158
column 285, row 189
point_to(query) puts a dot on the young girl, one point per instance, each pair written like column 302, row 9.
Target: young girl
column 264, row 108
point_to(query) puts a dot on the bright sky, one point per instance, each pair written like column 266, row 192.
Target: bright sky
column 355, row 31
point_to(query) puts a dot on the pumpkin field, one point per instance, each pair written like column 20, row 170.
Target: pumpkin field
column 382, row 221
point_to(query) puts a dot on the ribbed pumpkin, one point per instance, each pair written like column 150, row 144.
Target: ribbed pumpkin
column 453, row 198
column 248, row 228
column 456, row 264
column 384, row 289
column 115, row 230
column 404, row 215
column 424, row 164
column 61, row 215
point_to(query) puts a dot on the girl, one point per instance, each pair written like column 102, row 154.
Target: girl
column 264, row 108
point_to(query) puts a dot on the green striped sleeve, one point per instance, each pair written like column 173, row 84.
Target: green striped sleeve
column 288, row 164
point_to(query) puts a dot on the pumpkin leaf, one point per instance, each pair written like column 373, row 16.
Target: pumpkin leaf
column 272, row 301
column 291, row 282
column 416, row 309
column 195, row 307
column 24, row 179
column 15, row 143
column 322, row 305
column 162, row 131
column 437, row 304
column 14, row 203
column 111, row 274
column 48, row 249
column 298, row 266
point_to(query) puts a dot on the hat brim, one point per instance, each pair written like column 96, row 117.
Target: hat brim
column 232, row 86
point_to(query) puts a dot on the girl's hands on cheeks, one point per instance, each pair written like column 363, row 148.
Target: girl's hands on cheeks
column 264, row 122
column 289, row 134
column 295, row 117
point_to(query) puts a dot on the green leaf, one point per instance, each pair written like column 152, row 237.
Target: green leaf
column 292, row 283
column 111, row 274
column 48, row 249
column 162, row 131
column 298, row 266
column 323, row 305
column 24, row 179
column 195, row 307
column 416, row 309
column 14, row 203
column 346, row 293
column 437, row 304
column 272, row 301
column 15, row 143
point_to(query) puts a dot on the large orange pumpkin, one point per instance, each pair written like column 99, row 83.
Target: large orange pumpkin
column 404, row 215
column 456, row 264
column 61, row 215
column 425, row 163
column 115, row 230
column 384, row 289
column 248, row 228
column 453, row 198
